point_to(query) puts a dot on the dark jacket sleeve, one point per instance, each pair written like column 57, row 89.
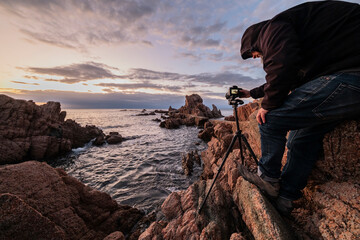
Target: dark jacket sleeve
column 257, row 92
column 281, row 52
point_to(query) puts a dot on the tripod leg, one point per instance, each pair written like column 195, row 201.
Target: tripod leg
column 241, row 150
column 219, row 170
column 250, row 149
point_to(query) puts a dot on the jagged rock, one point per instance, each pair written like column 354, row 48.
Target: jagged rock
column 153, row 232
column 188, row 162
column 216, row 112
column 194, row 106
column 73, row 208
column 217, row 220
column 331, row 197
column 115, row 236
column 259, row 215
column 207, row 133
column 29, row 131
column 246, row 110
column 113, row 138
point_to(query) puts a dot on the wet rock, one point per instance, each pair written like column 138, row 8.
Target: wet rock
column 188, row 161
column 146, row 114
column 113, row 138
column 74, row 209
column 162, row 111
column 29, row 131
column 156, row 120
column 171, row 123
column 207, row 133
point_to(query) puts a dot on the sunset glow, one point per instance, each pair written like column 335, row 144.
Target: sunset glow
column 138, row 51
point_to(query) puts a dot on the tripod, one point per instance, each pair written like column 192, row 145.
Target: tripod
column 237, row 136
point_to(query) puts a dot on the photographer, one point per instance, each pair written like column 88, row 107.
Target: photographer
column 311, row 56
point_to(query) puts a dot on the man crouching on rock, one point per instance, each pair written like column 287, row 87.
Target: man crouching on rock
column 311, row 56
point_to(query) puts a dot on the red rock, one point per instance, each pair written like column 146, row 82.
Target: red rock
column 29, row 131
column 153, row 232
column 77, row 210
column 230, row 118
column 115, row 236
column 18, row 220
column 172, row 206
column 246, row 110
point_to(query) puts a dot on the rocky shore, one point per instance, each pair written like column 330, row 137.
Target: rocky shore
column 29, row 131
column 41, row 202
column 237, row 210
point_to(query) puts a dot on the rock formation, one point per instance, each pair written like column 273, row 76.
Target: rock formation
column 113, row 138
column 194, row 112
column 40, row 202
column 29, row 131
column 188, row 161
column 328, row 210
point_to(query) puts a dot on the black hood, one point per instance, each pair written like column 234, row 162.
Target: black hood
column 249, row 39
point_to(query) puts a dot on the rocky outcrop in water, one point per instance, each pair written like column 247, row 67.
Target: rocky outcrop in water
column 328, row 210
column 40, row 202
column 189, row 160
column 113, row 138
column 29, row 131
column 194, row 112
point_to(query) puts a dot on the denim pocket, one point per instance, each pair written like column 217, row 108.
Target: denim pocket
column 343, row 102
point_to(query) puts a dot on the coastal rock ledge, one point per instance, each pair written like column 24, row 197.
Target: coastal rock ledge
column 32, row 132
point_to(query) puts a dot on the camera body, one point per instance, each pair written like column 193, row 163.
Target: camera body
column 234, row 92
column 232, row 95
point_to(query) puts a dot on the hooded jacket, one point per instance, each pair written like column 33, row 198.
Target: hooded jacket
column 302, row 43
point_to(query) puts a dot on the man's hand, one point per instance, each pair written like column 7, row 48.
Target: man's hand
column 260, row 117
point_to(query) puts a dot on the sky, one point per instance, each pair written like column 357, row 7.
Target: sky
column 128, row 53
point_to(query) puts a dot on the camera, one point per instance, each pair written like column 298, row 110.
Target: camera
column 234, row 92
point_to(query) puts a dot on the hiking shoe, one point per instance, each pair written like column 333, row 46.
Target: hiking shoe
column 284, row 206
column 271, row 188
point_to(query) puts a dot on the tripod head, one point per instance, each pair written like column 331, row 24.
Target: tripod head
column 235, row 102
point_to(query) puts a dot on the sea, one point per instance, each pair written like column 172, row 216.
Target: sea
column 142, row 170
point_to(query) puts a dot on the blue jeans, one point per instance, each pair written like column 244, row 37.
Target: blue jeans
column 308, row 112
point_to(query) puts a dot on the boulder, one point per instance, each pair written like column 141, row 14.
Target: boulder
column 113, row 138
column 64, row 205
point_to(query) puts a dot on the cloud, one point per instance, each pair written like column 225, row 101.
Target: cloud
column 134, row 86
column 70, row 99
column 78, row 24
column 75, row 73
column 18, row 82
